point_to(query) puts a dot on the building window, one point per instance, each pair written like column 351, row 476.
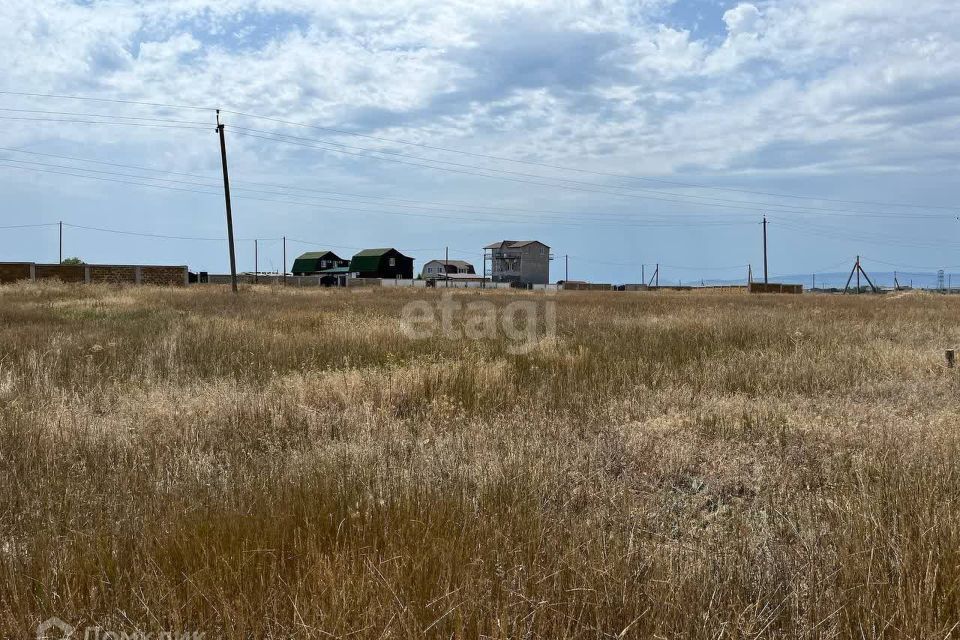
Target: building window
column 393, row 262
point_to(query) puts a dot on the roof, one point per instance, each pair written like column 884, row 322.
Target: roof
column 308, row 262
column 460, row 264
column 313, row 255
column 375, row 252
column 513, row 244
column 368, row 260
column 335, row 270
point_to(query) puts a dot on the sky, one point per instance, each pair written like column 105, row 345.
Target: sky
column 620, row 133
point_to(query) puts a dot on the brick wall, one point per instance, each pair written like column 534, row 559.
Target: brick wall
column 13, row 271
column 63, row 272
column 113, row 274
column 775, row 287
column 164, row 276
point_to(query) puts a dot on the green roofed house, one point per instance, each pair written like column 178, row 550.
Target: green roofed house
column 382, row 263
column 316, row 262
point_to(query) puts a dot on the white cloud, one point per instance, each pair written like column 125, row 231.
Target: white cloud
column 744, row 18
column 606, row 82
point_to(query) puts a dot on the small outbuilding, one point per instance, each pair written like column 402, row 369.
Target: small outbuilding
column 382, row 263
column 315, row 262
column 444, row 268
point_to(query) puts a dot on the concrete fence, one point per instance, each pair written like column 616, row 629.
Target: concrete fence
column 586, row 286
column 246, row 278
column 162, row 275
column 471, row 284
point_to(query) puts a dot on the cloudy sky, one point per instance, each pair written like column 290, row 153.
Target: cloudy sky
column 618, row 132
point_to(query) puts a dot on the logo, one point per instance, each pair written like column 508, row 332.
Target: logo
column 523, row 324
column 54, row 628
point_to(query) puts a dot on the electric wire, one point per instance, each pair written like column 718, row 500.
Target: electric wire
column 106, row 122
column 444, row 205
column 581, row 170
column 564, row 183
column 69, row 171
column 495, row 174
column 239, row 187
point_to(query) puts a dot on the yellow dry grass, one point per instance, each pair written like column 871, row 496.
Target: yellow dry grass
column 288, row 464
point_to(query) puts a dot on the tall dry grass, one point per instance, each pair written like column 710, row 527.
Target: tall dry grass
column 288, row 464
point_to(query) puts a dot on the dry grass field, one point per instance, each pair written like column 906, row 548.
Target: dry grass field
column 288, row 464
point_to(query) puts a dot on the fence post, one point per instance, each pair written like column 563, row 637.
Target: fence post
column 951, row 358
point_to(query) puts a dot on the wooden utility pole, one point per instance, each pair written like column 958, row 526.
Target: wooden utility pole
column 765, row 280
column 655, row 277
column 256, row 262
column 643, row 275
column 61, row 242
column 566, row 267
column 446, row 266
column 226, row 197
column 284, row 260
column 858, row 269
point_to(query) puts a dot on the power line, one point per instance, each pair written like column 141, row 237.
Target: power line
column 155, row 235
column 212, row 239
column 581, row 170
column 445, row 206
column 563, row 183
column 58, row 169
column 868, row 237
column 677, row 267
column 30, row 226
column 909, row 266
column 104, row 115
column 108, row 100
column 107, row 122
column 474, row 154
column 131, row 233
column 441, row 168
column 78, row 175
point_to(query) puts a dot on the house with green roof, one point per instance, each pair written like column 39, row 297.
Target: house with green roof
column 316, row 262
column 382, row 263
